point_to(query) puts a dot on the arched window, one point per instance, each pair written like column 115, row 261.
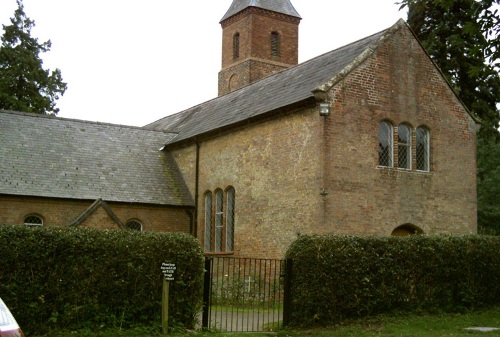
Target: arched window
column 208, row 221
column 385, row 145
column 236, row 45
column 219, row 198
column 422, row 149
column 230, row 195
column 133, row 225
column 219, row 220
column 275, row 44
column 404, row 147
column 33, row 221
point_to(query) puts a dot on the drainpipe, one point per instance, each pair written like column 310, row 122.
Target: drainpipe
column 325, row 107
column 196, row 187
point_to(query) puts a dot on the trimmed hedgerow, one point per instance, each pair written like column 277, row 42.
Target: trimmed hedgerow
column 340, row 277
column 56, row 277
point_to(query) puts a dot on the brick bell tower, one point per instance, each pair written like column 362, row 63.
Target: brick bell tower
column 259, row 38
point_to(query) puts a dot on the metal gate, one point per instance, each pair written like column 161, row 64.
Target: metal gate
column 244, row 294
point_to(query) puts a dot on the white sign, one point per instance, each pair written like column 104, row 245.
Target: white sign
column 168, row 270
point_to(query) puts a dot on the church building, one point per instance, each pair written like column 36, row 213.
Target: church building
column 368, row 139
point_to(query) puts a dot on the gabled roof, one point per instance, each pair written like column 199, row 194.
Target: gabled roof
column 291, row 86
column 64, row 158
column 92, row 209
column 279, row 6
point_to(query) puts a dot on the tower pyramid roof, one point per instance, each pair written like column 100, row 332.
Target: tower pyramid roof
column 279, row 6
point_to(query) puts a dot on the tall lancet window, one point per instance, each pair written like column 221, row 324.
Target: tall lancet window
column 385, row 144
column 219, row 225
column 208, row 221
column 404, row 147
column 230, row 219
column 422, row 149
column 236, row 46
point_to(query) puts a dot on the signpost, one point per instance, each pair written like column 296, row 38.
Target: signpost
column 168, row 271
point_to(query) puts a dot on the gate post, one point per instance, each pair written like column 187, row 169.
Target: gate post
column 287, row 292
column 206, row 292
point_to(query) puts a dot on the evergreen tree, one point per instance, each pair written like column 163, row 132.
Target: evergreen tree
column 462, row 37
column 24, row 84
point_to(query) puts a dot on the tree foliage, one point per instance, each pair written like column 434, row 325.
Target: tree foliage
column 463, row 39
column 24, row 84
column 459, row 35
column 490, row 23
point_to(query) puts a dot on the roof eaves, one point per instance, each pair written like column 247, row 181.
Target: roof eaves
column 289, row 108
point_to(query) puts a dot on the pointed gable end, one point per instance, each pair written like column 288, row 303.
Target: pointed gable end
column 361, row 57
column 99, row 203
column 321, row 90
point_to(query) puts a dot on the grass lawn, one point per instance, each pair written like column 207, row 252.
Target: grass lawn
column 411, row 326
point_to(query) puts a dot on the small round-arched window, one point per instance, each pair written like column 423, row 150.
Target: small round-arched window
column 33, row 221
column 134, row 225
column 407, row 230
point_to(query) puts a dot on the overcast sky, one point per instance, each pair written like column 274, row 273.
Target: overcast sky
column 135, row 61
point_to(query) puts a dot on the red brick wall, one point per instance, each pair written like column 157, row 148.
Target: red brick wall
column 61, row 212
column 246, row 72
column 399, row 84
column 255, row 27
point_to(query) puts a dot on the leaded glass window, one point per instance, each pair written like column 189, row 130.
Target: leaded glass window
column 219, row 220
column 422, row 149
column 219, row 198
column 230, row 219
column 134, row 225
column 208, row 221
column 33, row 221
column 404, row 147
column 385, row 144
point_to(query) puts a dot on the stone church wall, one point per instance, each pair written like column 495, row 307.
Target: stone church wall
column 274, row 167
column 61, row 212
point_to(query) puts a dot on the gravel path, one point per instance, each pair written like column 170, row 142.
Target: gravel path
column 245, row 321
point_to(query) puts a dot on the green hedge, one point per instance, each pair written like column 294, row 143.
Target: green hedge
column 336, row 277
column 55, row 277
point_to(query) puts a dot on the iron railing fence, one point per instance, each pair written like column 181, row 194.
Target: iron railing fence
column 244, row 294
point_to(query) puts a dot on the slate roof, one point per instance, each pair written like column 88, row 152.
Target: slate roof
column 279, row 6
column 285, row 88
column 65, row 158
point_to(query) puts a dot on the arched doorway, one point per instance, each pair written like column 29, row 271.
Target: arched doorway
column 407, row 230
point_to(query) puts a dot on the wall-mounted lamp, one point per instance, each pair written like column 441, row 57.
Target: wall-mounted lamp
column 324, row 109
